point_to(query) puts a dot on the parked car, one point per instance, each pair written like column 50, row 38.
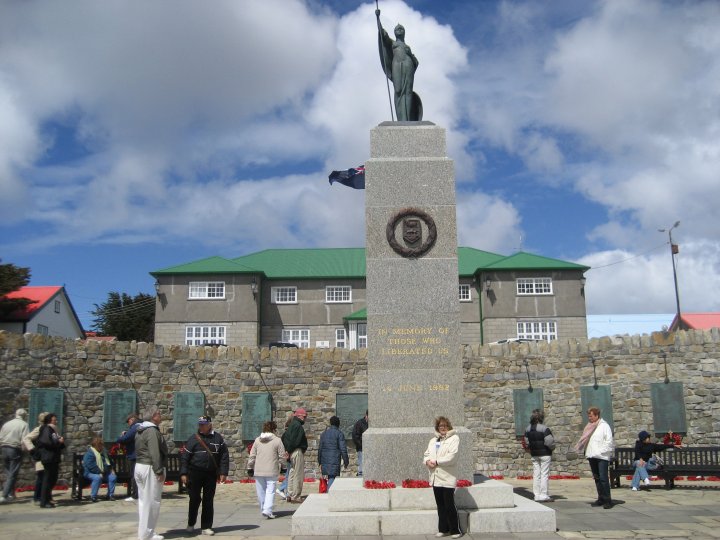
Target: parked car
column 281, row 345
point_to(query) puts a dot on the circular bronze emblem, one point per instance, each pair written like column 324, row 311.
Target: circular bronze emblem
column 412, row 220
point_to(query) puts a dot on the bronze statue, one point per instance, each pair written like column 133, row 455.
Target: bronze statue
column 399, row 64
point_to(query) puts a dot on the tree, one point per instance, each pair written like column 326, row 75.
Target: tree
column 13, row 278
column 129, row 318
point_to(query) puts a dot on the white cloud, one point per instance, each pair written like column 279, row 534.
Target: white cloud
column 488, row 223
column 621, row 282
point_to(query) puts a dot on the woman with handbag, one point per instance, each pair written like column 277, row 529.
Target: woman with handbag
column 51, row 445
column 264, row 464
column 644, row 459
column 331, row 450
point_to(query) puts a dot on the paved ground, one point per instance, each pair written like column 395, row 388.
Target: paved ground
column 692, row 510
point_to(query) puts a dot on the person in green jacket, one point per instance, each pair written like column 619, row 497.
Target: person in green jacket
column 295, row 443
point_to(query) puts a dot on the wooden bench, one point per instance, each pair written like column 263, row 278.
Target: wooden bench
column 121, row 466
column 685, row 461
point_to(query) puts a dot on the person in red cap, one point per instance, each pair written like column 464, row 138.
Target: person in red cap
column 295, row 443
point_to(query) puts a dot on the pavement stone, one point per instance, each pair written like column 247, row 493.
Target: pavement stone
column 690, row 511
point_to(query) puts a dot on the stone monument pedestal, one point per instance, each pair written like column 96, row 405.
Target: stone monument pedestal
column 489, row 506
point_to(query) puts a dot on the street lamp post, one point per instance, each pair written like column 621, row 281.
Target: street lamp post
column 673, row 252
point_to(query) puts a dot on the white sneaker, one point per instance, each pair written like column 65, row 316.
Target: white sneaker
column 281, row 493
column 2, row 500
column 269, row 515
column 647, row 481
column 208, row 532
column 440, row 535
column 157, row 537
column 634, row 488
column 129, row 499
column 458, row 535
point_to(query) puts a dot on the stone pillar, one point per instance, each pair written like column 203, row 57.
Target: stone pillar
column 414, row 360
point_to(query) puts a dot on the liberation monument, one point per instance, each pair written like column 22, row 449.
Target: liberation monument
column 415, row 370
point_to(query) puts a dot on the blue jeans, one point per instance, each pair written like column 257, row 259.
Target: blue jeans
column 599, row 468
column 641, row 472
column 284, row 483
column 97, row 479
column 12, row 457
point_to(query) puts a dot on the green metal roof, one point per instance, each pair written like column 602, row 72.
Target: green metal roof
column 211, row 265
column 359, row 315
column 350, row 263
column 471, row 259
column 308, row 263
column 528, row 261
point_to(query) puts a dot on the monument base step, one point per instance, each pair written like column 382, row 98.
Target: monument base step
column 314, row 517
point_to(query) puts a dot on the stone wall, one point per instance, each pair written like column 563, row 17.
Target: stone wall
column 311, row 378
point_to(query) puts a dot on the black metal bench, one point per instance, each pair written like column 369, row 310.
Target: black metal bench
column 121, row 466
column 685, row 461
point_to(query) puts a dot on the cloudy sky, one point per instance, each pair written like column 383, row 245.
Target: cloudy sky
column 139, row 135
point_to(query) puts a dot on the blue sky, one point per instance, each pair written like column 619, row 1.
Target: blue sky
column 136, row 136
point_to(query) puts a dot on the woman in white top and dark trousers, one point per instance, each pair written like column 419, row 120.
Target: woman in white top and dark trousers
column 441, row 459
column 598, row 443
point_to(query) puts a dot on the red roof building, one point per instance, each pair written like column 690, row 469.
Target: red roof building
column 696, row 321
column 50, row 314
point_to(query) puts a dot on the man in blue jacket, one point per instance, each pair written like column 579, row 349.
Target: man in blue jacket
column 127, row 438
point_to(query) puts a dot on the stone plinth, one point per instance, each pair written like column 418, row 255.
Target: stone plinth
column 414, row 363
column 349, row 509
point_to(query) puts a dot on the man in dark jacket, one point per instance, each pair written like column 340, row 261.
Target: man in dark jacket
column 295, row 443
column 540, row 443
column 332, row 448
column 204, row 459
column 127, row 439
column 359, row 428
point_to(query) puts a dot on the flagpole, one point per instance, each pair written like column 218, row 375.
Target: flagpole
column 382, row 59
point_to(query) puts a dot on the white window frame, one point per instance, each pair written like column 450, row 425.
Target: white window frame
column 283, row 295
column 340, row 338
column 464, row 294
column 205, row 334
column 298, row 336
column 206, row 290
column 43, row 330
column 338, row 294
column 362, row 335
column 534, row 286
column 540, row 330
column 57, row 306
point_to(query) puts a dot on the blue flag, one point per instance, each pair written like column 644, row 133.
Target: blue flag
column 354, row 178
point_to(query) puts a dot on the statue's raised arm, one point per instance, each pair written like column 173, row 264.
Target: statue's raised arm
column 399, row 65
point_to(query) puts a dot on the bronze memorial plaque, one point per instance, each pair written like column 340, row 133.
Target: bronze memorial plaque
column 413, row 220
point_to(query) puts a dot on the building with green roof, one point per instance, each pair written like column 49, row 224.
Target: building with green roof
column 316, row 298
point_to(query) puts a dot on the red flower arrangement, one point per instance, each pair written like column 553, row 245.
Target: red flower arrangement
column 247, row 480
column 568, row 477
column 117, row 450
column 464, row 483
column 672, row 438
column 374, row 484
column 496, row 477
column 408, row 483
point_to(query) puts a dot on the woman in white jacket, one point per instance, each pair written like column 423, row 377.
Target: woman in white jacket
column 265, row 457
column 441, row 458
column 598, row 443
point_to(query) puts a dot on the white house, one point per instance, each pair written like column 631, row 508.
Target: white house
column 51, row 314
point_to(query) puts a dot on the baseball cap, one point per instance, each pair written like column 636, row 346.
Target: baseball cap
column 643, row 435
column 204, row 420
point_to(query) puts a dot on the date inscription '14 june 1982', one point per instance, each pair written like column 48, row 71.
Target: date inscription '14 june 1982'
column 419, row 341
